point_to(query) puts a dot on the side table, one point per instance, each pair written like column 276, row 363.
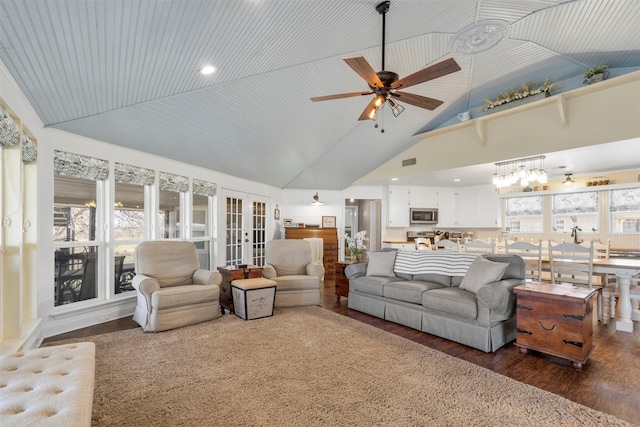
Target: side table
column 229, row 274
column 556, row 320
column 342, row 283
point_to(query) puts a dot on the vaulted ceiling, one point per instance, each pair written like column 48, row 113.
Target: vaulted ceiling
column 126, row 72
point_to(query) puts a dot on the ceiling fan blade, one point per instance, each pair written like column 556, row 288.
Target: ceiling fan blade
column 440, row 69
column 338, row 96
column 366, row 114
column 364, row 70
column 417, row 100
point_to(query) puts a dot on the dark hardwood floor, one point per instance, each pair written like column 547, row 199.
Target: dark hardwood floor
column 609, row 382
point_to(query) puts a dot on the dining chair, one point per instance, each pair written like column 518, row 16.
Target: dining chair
column 69, row 272
column 88, row 286
column 448, row 245
column 423, row 244
column 573, row 263
column 532, row 256
column 118, row 267
column 480, row 247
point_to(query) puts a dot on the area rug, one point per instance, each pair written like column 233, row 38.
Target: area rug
column 307, row 366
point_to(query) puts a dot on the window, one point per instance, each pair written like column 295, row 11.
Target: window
column 202, row 201
column 128, row 220
column 524, row 214
column 624, row 208
column 77, row 195
column 572, row 210
column 169, row 219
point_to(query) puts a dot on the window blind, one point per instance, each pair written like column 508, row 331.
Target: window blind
column 128, row 174
column 586, row 202
column 627, row 199
column 524, row 206
column 204, row 188
column 79, row 166
column 171, row 182
column 9, row 130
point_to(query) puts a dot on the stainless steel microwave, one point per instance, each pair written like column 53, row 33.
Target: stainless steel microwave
column 424, row 215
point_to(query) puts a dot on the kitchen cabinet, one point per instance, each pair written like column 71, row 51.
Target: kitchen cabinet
column 476, row 206
column 487, row 207
column 423, row 197
column 398, row 206
column 447, row 208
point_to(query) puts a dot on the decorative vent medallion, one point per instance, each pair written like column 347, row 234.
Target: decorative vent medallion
column 479, row 37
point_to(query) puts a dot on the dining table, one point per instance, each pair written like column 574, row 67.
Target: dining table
column 624, row 269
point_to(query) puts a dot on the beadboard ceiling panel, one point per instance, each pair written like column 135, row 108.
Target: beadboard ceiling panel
column 126, row 72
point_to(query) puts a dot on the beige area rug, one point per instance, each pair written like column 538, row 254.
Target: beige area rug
column 307, row 366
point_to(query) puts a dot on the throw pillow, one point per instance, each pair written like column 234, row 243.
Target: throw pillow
column 381, row 263
column 482, row 272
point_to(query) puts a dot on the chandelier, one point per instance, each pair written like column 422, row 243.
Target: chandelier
column 520, row 172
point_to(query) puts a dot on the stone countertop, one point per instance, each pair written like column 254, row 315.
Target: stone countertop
column 398, row 242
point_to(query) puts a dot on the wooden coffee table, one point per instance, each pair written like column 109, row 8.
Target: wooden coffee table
column 229, row 274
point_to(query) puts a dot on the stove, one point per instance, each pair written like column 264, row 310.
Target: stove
column 412, row 235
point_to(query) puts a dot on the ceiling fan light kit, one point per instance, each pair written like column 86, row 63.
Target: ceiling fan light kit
column 385, row 85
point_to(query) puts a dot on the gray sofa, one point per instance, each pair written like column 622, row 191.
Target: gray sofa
column 462, row 297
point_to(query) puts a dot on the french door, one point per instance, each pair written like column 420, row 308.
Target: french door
column 246, row 228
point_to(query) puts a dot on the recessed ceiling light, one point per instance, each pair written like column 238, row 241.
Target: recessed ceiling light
column 205, row 71
column 394, row 179
column 456, row 180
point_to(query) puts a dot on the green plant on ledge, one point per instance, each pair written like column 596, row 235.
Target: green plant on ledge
column 526, row 90
column 598, row 69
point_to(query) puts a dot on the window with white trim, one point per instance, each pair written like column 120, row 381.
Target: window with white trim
column 524, row 214
column 624, row 208
column 579, row 211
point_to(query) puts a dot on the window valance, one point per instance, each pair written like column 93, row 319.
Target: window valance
column 9, row 130
column 171, row 182
column 524, row 206
column 586, row 202
column 204, row 188
column 29, row 150
column 79, row 166
column 627, row 199
column 127, row 174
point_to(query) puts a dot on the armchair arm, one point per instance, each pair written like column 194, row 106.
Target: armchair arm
column 146, row 286
column 315, row 268
column 497, row 295
column 207, row 277
column 268, row 271
column 355, row 270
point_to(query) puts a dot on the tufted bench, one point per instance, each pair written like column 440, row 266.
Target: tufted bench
column 49, row 386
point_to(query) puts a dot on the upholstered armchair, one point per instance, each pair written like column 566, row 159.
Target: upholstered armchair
column 172, row 290
column 289, row 263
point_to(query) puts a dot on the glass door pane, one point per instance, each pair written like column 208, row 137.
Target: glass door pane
column 235, row 230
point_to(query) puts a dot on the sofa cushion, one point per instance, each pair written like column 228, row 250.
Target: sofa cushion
column 482, row 272
column 381, row 264
column 435, row 278
column 408, row 290
column 184, row 295
column 296, row 282
column 451, row 300
column 370, row 285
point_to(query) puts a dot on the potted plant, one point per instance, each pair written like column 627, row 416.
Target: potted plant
column 356, row 245
column 595, row 74
column 526, row 93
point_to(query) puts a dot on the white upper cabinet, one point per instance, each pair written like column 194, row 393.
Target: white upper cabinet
column 398, row 206
column 476, row 206
column 423, row 197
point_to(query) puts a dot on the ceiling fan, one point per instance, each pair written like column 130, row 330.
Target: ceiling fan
column 385, row 85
